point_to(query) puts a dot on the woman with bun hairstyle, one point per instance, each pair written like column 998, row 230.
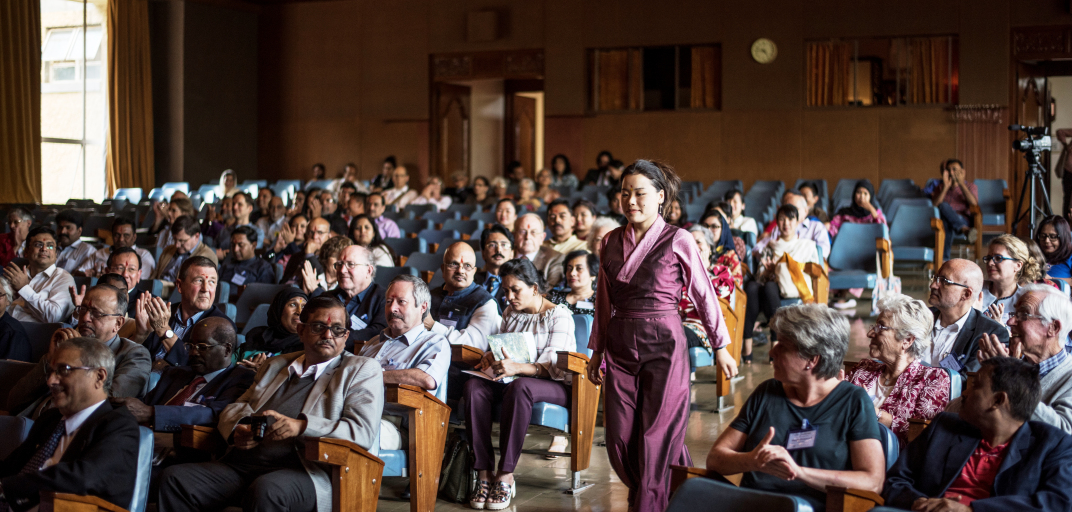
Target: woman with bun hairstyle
column 1008, row 265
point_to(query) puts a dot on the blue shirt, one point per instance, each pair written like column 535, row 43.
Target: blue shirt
column 1048, row 365
column 1063, row 269
column 417, row 349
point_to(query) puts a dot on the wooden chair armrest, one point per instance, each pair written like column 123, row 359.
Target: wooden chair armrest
column 65, row 502
column 916, row 427
column 466, row 236
column 200, row 438
column 977, row 222
column 427, row 275
column 433, row 248
column 840, row 499
column 410, row 396
column 939, row 242
column 820, row 281
column 428, row 417
column 572, row 362
column 336, row 452
column 402, row 260
column 885, row 257
column 465, row 354
column 411, row 235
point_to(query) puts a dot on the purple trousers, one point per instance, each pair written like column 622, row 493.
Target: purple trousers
column 646, row 406
column 516, row 398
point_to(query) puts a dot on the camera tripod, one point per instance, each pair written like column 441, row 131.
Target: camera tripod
column 1035, row 173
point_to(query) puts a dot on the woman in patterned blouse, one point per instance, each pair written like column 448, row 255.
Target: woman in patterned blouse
column 899, row 385
column 580, row 268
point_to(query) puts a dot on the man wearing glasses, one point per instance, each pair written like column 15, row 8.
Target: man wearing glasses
column 123, row 235
column 322, row 391
column 318, row 232
column 99, row 317
column 362, row 298
column 242, row 208
column 529, row 233
column 461, row 310
column 82, row 446
column 958, row 326
column 43, row 289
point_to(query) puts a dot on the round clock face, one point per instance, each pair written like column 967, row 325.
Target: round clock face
column 764, row 51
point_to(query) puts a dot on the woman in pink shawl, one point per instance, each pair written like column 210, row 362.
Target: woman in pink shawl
column 639, row 338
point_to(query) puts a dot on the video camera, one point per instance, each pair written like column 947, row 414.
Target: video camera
column 1038, row 139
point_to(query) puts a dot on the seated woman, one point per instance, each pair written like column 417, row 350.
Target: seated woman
column 551, row 327
column 585, row 212
column 1055, row 239
column 481, row 194
column 899, row 385
column 545, row 183
column 811, row 195
column 526, row 191
column 580, row 268
column 695, row 333
column 716, row 220
column 1044, row 268
column 804, row 429
column 365, row 233
column 564, row 176
column 1008, row 266
column 863, row 210
column 780, row 274
column 280, row 336
column 499, row 187
column 676, row 215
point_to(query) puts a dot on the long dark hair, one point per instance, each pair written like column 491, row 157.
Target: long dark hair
column 662, row 176
column 565, row 160
column 377, row 240
column 1064, row 237
column 524, row 270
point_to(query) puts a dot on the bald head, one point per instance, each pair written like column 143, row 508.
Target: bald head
column 319, row 230
column 966, row 272
column 798, row 200
column 218, row 337
column 955, row 288
column 459, row 266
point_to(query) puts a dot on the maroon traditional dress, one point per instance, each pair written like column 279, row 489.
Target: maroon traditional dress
column 638, row 329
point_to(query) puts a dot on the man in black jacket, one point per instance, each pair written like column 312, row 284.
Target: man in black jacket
column 84, row 446
column 363, row 298
column 958, row 326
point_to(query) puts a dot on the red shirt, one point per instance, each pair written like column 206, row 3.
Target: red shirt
column 8, row 248
column 976, row 480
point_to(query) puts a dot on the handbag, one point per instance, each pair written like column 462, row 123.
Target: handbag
column 457, row 475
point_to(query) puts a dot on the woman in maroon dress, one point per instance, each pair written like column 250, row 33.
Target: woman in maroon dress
column 638, row 335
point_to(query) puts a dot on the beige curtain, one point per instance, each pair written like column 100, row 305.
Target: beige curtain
column 20, row 101
column 829, row 73
column 930, row 63
column 130, row 99
column 983, row 140
column 705, row 80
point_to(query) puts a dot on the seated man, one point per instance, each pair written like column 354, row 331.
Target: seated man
column 99, row 317
column 991, row 457
column 560, row 221
column 461, row 310
column 73, row 252
column 954, row 197
column 407, row 351
column 243, row 266
column 529, row 233
column 363, row 298
column 195, row 394
column 318, row 232
column 272, row 223
column 123, row 235
column 958, row 326
column 84, row 446
column 14, row 344
column 320, row 392
column 164, row 328
column 242, row 208
column 186, row 243
column 497, row 246
column 125, row 262
column 375, row 206
column 393, row 195
column 43, row 288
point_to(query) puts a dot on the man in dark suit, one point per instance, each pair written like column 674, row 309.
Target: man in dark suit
column 363, row 298
column 84, row 446
column 529, row 234
column 164, row 328
column 497, row 246
column 195, row 394
column 958, row 326
column 990, row 457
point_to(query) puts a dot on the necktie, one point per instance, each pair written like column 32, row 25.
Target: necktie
column 187, row 392
column 46, row 450
column 492, row 284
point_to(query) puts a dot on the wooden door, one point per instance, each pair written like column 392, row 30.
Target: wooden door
column 521, row 133
column 1030, row 107
column 451, row 114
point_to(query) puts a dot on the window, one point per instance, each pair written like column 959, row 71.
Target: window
column 74, row 117
column 655, row 78
column 885, row 71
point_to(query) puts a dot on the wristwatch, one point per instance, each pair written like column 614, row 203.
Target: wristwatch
column 168, row 334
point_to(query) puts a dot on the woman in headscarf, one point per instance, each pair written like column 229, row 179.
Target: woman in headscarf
column 723, row 252
column 863, row 210
column 280, row 336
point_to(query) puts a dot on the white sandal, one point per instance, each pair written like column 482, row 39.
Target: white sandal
column 501, row 495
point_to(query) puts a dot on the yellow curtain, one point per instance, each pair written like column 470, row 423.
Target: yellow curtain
column 20, row 101
column 929, row 69
column 705, row 80
column 829, row 73
column 130, row 99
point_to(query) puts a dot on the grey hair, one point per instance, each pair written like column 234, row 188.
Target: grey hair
column 600, row 223
column 528, row 183
column 364, row 256
column 421, row 295
column 707, row 236
column 909, row 318
column 21, row 213
column 93, row 354
column 1054, row 306
column 5, row 287
column 818, row 331
column 533, row 215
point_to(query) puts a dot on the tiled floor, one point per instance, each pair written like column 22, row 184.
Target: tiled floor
column 541, row 482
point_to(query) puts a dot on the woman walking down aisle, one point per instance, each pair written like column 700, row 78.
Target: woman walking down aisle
column 638, row 335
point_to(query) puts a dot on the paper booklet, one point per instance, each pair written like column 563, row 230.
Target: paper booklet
column 519, row 347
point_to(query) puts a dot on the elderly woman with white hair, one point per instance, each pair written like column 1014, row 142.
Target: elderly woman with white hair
column 600, row 227
column 804, row 429
column 899, row 385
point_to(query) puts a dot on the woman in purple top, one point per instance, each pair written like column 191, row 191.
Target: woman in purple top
column 638, row 335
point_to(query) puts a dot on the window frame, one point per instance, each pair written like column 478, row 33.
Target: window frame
column 635, row 78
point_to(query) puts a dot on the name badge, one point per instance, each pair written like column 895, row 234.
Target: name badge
column 801, row 438
column 448, row 322
column 950, row 363
column 239, row 279
column 191, row 404
column 356, row 323
column 585, row 304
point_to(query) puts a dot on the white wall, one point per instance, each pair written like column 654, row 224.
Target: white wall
column 1061, row 89
column 486, row 128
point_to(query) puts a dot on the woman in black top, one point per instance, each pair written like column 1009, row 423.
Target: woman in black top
column 280, row 336
column 580, row 269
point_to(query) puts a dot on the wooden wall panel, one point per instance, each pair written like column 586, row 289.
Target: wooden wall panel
column 840, row 144
column 761, row 145
column 688, row 141
column 914, row 140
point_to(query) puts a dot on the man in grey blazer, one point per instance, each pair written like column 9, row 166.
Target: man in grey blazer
column 322, row 391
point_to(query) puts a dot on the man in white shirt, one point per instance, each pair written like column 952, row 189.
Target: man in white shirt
column 272, row 223
column 958, row 326
column 739, row 221
column 529, row 233
column 123, row 235
column 400, row 177
column 43, row 289
column 73, row 251
column 561, row 222
column 462, row 310
column 432, row 194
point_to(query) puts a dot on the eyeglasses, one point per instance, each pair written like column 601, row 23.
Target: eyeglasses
column 42, row 245
column 879, row 329
column 1049, row 236
column 336, row 331
column 1022, row 316
column 350, row 265
column 201, row 347
column 532, row 232
column 119, row 269
column 942, row 280
column 454, row 266
column 95, row 314
column 997, row 258
column 64, row 370
column 499, row 245
column 713, row 226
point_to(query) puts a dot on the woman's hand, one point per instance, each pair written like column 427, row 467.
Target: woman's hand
column 254, row 363
column 995, row 311
column 726, row 363
column 774, row 460
column 595, row 372
column 884, row 417
column 508, row 368
column 485, row 362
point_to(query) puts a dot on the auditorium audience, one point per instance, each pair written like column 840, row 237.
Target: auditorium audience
column 1009, row 266
column 305, row 258
column 186, row 236
column 84, row 446
column 461, row 310
column 560, row 222
column 166, row 213
column 551, row 328
column 811, row 194
column 272, row 222
column 12, row 243
column 241, row 207
column 899, row 385
column 499, row 188
column 545, row 186
column 737, row 218
column 993, row 456
column 695, row 332
column 43, row 288
column 846, row 452
column 954, row 197
column 14, row 344
column 289, row 241
column 228, row 184
column 563, row 172
column 432, row 194
column 585, row 213
column 675, row 215
column 73, row 252
column 264, row 201
column 497, row 247
column 603, row 160
column 529, row 233
column 1044, row 268
column 242, row 266
column 382, row 181
column 481, row 194
column 313, row 283
column 365, row 233
column 580, row 269
column 123, row 235
column 526, row 195
column 864, row 208
column 1055, row 240
column 392, row 196
column 957, row 325
column 280, row 336
column 272, row 474
column 363, row 299
column 723, row 245
column 375, row 207
column 806, row 229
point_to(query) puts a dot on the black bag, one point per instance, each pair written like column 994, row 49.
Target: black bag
column 457, row 476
